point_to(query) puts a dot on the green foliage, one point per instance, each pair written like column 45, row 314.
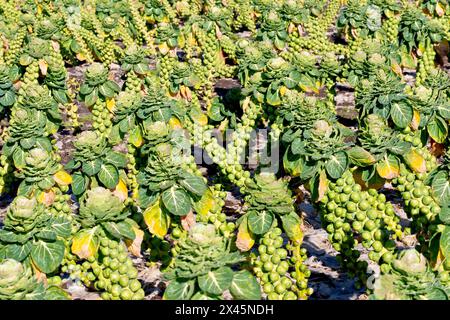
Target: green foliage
column 94, row 162
column 202, row 266
column 30, row 233
column 410, row 279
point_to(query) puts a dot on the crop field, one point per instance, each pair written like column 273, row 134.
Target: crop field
column 224, row 149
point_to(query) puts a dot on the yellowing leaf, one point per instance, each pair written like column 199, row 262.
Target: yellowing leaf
column 81, row 56
column 174, row 123
column 156, row 220
column 134, row 246
column 440, row 10
column 121, row 190
column 163, row 48
column 397, row 69
column 283, row 90
column 47, row 197
column 323, row 185
column 245, row 238
column 84, row 244
column 62, row 178
column 388, row 169
column 110, row 104
column 188, row 221
column 181, row 41
column 40, row 276
column 205, row 204
column 415, row 161
column 43, row 66
column 135, row 193
column 135, row 137
column 200, row 118
column 55, row 45
column 415, row 120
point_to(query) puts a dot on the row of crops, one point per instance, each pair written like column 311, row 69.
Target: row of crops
column 131, row 185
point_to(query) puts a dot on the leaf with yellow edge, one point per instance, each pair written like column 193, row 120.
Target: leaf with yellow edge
column 415, row 120
column 388, row 168
column 110, row 104
column 62, row 178
column 397, row 69
column 43, row 66
column 84, row 243
column 415, row 161
column 245, row 238
column 199, row 117
column 156, row 220
column 135, row 137
column 134, row 246
column 121, row 190
column 292, row 224
column 205, row 204
column 283, row 90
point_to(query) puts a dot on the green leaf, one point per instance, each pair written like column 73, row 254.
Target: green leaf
column 337, row 165
column 194, row 184
column 214, row 112
column 292, row 225
column 56, row 293
column 444, row 110
column 360, row 157
column 179, row 290
column 113, row 86
column 441, row 187
column 18, row 252
column 203, row 296
column 176, row 201
column 91, row 98
column 217, row 281
column 25, row 188
column 273, row 97
column 437, row 129
column 109, row 176
column 444, row 215
column 46, row 235
column 47, row 256
column 445, row 242
column 135, row 137
column 60, row 96
column 19, row 158
column 260, row 221
column 245, row 287
column 46, row 183
column 119, row 160
column 105, row 91
column 78, row 183
column 61, row 225
column 8, row 99
column 92, row 167
column 120, row 230
column 401, row 114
